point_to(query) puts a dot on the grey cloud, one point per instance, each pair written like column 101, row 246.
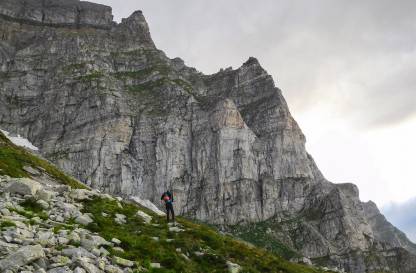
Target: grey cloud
column 360, row 55
column 403, row 216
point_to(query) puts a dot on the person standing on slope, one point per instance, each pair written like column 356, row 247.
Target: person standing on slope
column 167, row 197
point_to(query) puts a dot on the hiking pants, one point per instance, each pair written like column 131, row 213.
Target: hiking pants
column 169, row 210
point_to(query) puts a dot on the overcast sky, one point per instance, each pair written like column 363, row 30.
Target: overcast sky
column 346, row 68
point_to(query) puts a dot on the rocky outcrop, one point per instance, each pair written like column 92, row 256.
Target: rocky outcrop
column 56, row 13
column 36, row 240
column 22, row 257
column 24, row 187
column 103, row 103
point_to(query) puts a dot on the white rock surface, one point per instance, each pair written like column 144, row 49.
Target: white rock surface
column 23, row 186
column 122, row 262
column 21, row 257
column 20, row 141
column 84, row 219
column 147, row 204
column 146, row 217
column 233, row 268
column 120, row 219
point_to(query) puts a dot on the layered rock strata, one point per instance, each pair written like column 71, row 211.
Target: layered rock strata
column 101, row 101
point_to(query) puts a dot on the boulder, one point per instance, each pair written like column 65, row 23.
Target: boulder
column 23, row 186
column 119, row 249
column 84, row 219
column 45, row 195
column 100, row 241
column 6, row 247
column 5, row 212
column 63, row 240
column 233, row 268
column 155, row 265
column 31, row 171
column 147, row 204
column 21, row 257
column 302, row 260
column 185, row 257
column 120, row 219
column 101, row 264
column 113, row 269
column 175, row 229
column 43, row 204
column 146, row 217
column 104, row 252
column 122, row 262
column 44, row 237
column 89, row 267
column 79, row 270
column 63, row 269
column 77, row 252
column 74, row 236
column 62, row 188
column 90, row 242
column 81, row 194
column 116, row 241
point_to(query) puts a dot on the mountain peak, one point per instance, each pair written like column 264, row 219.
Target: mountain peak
column 136, row 16
column 251, row 61
column 135, row 28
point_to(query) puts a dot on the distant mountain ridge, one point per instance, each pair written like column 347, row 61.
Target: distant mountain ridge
column 102, row 102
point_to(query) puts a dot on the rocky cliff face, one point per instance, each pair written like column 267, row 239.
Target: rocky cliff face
column 101, row 101
column 52, row 223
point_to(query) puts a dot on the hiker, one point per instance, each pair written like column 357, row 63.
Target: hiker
column 168, row 198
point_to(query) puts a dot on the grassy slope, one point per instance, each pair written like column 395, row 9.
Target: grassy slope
column 259, row 234
column 136, row 236
column 139, row 246
column 14, row 158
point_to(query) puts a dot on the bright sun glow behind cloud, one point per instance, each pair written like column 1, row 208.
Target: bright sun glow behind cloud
column 380, row 162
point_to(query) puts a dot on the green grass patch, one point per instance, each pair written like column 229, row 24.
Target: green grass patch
column 24, row 213
column 33, row 209
column 139, row 74
column 6, row 223
column 145, row 90
column 93, row 76
column 136, row 240
column 64, row 226
column 261, row 235
column 14, row 158
column 185, row 85
column 74, row 243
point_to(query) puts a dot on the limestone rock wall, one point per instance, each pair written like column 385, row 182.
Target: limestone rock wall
column 69, row 13
column 101, row 101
